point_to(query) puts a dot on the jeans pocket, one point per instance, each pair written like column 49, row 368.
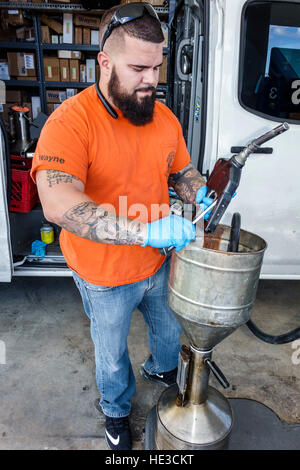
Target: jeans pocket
column 96, row 288
column 82, row 283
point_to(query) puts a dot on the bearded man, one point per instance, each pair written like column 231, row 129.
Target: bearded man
column 103, row 166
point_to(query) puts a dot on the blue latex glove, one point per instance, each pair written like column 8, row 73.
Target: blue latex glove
column 203, row 200
column 38, row 248
column 170, row 231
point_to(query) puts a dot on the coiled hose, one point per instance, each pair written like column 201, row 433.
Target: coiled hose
column 271, row 339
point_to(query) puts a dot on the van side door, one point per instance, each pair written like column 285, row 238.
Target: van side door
column 5, row 245
column 255, row 74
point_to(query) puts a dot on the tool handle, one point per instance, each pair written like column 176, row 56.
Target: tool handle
column 217, row 373
column 167, row 250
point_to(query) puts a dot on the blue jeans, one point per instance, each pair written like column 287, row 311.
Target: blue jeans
column 110, row 310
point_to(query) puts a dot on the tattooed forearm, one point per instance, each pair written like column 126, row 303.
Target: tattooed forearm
column 186, row 183
column 94, row 222
column 56, row 177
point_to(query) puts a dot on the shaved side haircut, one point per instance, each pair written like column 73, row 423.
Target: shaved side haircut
column 146, row 28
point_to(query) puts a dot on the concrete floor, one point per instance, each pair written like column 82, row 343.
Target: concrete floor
column 47, row 386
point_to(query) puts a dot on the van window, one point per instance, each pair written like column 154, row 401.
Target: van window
column 269, row 82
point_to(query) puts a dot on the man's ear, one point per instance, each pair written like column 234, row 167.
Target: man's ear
column 105, row 63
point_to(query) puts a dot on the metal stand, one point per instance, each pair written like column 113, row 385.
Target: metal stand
column 193, row 415
column 256, row 427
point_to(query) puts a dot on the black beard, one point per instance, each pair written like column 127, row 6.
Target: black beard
column 137, row 112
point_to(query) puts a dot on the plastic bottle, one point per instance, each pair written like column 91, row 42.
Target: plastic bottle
column 47, row 233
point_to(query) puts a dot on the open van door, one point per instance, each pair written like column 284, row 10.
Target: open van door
column 5, row 245
column 253, row 85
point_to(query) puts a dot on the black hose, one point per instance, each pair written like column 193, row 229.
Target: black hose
column 279, row 339
column 7, row 160
column 271, row 339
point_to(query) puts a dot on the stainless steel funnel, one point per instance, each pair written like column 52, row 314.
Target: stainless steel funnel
column 212, row 291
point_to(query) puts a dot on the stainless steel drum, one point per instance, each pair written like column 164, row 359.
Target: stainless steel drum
column 211, row 292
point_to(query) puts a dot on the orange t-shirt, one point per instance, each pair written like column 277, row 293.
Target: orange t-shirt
column 120, row 164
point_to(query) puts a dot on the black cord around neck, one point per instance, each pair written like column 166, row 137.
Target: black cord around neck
column 105, row 103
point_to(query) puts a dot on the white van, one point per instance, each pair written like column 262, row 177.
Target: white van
column 234, row 74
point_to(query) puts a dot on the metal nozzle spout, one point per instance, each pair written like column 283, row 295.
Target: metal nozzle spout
column 244, row 154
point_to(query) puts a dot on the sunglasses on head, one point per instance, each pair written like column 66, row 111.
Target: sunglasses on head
column 126, row 13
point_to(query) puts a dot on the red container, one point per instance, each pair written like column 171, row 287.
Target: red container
column 24, row 193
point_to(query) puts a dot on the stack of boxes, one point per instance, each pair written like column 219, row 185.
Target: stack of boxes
column 56, row 97
column 20, row 66
column 80, row 29
column 68, row 66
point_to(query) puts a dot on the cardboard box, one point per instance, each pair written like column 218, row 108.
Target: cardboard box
column 21, row 64
column 14, row 96
column 64, row 70
column 87, row 21
column 31, row 79
column 50, row 107
column 71, row 92
column 25, row 33
column 7, row 34
column 45, row 34
column 14, row 17
column 86, row 36
column 51, row 69
column 4, row 70
column 69, row 54
column 94, row 36
column 55, row 25
column 78, row 35
column 55, row 96
column 90, row 70
column 163, row 72
column 68, row 28
column 82, row 73
column 36, row 106
column 74, row 70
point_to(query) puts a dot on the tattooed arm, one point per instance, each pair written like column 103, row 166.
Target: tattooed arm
column 65, row 203
column 186, row 183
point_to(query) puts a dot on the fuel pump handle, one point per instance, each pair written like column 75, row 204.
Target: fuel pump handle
column 225, row 177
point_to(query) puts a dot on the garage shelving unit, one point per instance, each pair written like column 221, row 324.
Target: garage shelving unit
column 39, row 48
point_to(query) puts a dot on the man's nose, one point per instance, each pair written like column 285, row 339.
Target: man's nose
column 150, row 77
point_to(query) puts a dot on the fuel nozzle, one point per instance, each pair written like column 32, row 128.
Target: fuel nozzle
column 225, row 177
column 244, row 154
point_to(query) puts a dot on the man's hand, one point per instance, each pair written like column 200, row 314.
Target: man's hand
column 170, row 231
column 204, row 201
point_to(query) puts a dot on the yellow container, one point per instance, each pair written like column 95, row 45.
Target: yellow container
column 47, row 233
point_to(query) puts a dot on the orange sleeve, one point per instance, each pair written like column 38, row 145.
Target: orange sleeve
column 182, row 156
column 63, row 146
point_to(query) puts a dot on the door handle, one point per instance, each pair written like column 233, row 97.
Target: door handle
column 258, row 150
column 183, row 75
